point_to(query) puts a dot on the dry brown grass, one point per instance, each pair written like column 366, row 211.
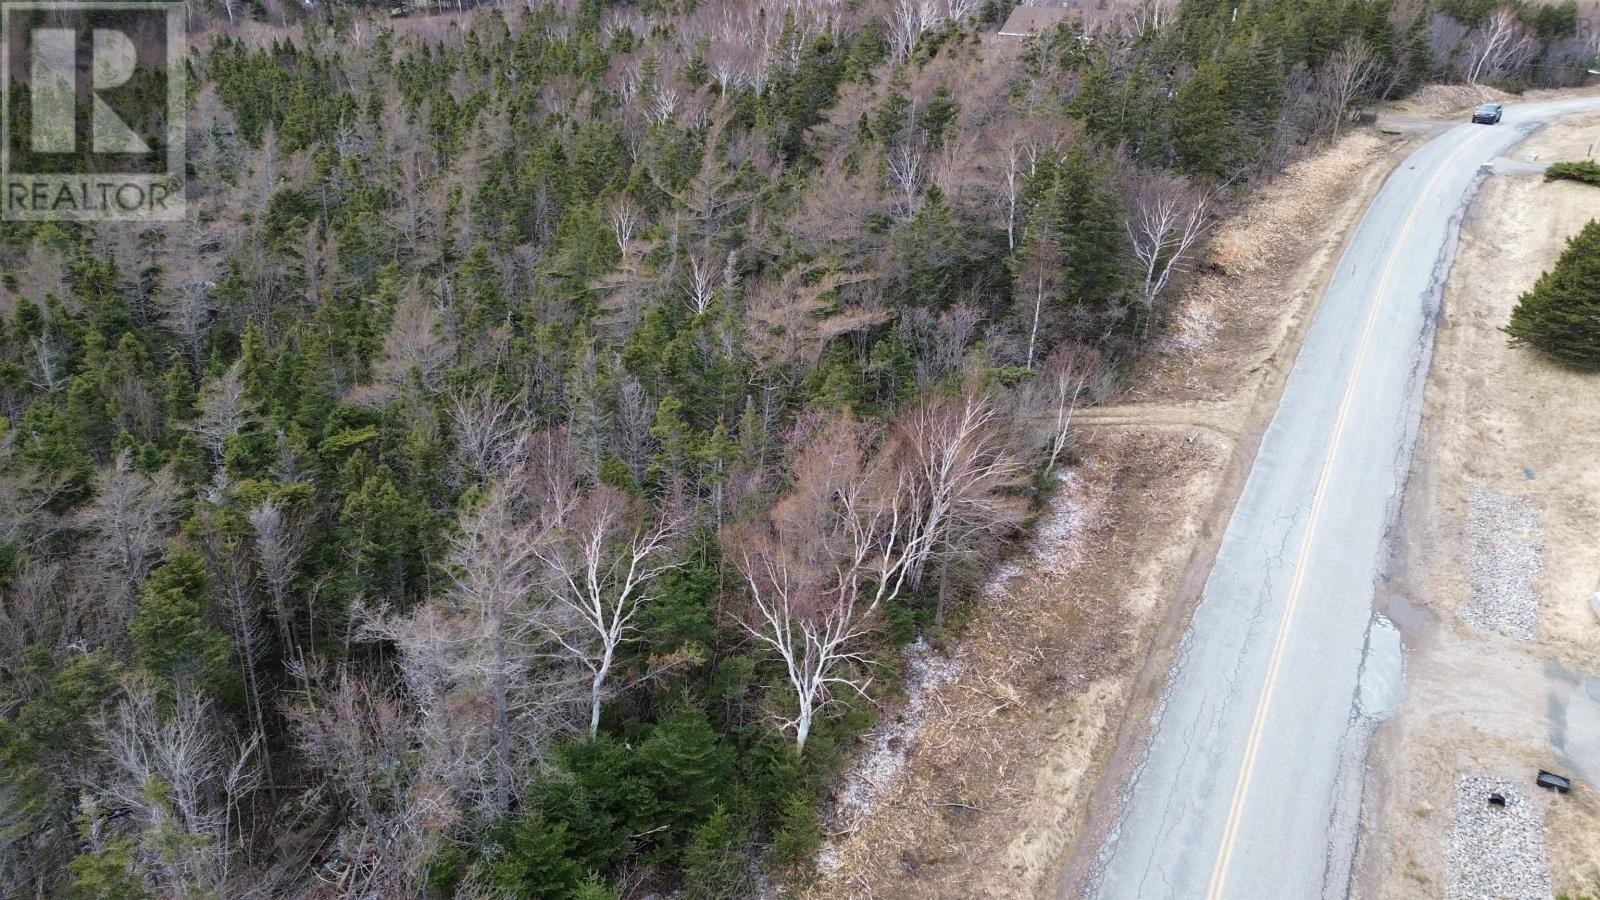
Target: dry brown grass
column 1479, row 703
column 1265, row 268
column 1002, row 770
column 996, row 774
column 1451, row 99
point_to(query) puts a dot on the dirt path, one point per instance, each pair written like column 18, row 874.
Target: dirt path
column 1495, row 568
column 1225, row 417
column 1011, row 752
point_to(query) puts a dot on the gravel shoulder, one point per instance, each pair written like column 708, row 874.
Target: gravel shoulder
column 1495, row 567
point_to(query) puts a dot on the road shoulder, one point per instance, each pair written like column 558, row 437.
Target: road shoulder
column 1493, row 573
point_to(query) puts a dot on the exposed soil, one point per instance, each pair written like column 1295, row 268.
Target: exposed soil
column 1485, row 701
column 1059, row 668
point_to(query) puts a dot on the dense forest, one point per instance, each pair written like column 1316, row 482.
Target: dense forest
column 521, row 473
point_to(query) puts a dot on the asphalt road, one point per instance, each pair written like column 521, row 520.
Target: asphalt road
column 1249, row 783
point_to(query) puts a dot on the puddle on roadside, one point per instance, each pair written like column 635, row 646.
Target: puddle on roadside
column 1382, row 683
column 1395, row 606
column 1573, row 709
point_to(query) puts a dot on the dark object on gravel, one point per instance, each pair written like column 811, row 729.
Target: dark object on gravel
column 1552, row 781
column 1497, row 799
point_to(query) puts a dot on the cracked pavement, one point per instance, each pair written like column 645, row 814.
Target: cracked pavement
column 1248, row 783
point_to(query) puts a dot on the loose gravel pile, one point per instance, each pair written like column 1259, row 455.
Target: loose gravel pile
column 1496, row 852
column 1505, row 557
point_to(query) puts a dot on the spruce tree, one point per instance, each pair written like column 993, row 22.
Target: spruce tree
column 173, row 638
column 533, row 861
column 689, row 770
column 717, row 864
column 1202, row 138
column 1089, row 229
column 1560, row 315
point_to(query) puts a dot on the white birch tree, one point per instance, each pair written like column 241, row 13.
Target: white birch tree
column 602, row 557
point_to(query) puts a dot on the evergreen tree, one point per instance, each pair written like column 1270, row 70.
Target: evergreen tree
column 1202, row 138
column 105, row 871
column 488, row 169
column 688, row 770
column 173, row 636
column 1560, row 314
column 717, row 864
column 1076, row 214
column 532, row 862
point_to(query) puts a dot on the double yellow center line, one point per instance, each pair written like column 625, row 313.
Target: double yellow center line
column 1219, row 874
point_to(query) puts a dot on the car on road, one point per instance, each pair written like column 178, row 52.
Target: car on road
column 1487, row 114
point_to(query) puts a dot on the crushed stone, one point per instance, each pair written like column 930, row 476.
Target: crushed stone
column 1505, row 558
column 1496, row 852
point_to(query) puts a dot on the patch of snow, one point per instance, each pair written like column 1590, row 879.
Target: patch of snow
column 1057, row 541
column 926, row 672
column 1054, row 547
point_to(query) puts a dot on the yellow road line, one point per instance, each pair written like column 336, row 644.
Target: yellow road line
column 1219, row 874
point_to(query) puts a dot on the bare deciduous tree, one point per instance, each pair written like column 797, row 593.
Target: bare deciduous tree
column 624, row 216
column 1346, row 78
column 940, row 342
column 225, row 409
column 45, row 364
column 27, row 501
column 663, row 105
column 589, row 413
column 183, row 782
column 814, row 628
column 491, row 431
column 1499, row 46
column 189, row 312
column 361, row 738
column 1051, row 399
column 280, row 543
column 128, row 520
column 731, row 63
column 808, row 571
column 602, row 558
column 635, row 413
column 959, row 464
column 837, row 547
column 795, row 317
column 34, row 612
column 474, row 661
column 905, row 167
column 416, row 342
column 1039, row 276
column 233, row 580
column 1166, row 219
column 1013, row 190
column 706, row 274
column 908, row 22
